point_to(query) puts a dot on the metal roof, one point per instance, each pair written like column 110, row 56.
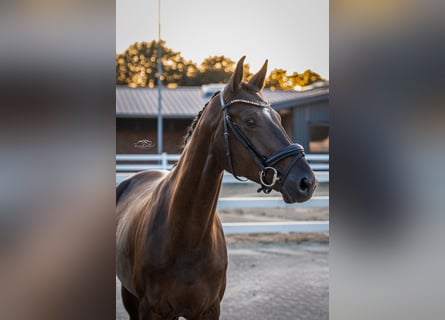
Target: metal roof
column 186, row 102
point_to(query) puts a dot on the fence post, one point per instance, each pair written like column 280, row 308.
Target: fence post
column 164, row 161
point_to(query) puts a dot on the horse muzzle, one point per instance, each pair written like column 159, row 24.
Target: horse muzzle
column 299, row 187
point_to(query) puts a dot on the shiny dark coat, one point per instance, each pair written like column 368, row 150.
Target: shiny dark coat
column 171, row 255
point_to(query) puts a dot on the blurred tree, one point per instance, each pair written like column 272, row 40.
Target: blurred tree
column 278, row 79
column 216, row 69
column 137, row 66
column 122, row 72
column 247, row 74
column 305, row 78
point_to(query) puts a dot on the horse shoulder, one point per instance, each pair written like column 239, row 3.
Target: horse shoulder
column 133, row 197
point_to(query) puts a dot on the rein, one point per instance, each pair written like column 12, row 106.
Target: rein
column 265, row 164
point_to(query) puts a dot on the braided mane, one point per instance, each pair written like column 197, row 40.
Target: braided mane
column 192, row 127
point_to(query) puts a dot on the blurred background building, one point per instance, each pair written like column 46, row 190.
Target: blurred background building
column 304, row 113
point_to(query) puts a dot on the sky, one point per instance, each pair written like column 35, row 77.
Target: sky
column 291, row 34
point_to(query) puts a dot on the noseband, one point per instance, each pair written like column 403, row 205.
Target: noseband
column 265, row 164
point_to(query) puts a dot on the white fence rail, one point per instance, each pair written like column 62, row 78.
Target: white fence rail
column 162, row 161
column 275, row 227
column 129, row 163
column 270, row 202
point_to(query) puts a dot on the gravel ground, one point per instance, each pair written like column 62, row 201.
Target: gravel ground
column 276, row 280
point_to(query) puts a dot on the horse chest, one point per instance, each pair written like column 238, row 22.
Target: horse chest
column 188, row 267
column 186, row 287
column 188, row 273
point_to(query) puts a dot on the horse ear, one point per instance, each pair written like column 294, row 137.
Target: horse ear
column 237, row 76
column 258, row 79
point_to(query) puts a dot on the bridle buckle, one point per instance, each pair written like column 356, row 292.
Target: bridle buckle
column 263, row 176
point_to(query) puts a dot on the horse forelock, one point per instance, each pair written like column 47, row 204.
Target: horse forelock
column 249, row 87
column 253, row 90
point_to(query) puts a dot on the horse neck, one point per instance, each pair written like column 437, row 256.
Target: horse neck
column 196, row 182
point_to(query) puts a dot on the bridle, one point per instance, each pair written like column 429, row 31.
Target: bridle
column 265, row 164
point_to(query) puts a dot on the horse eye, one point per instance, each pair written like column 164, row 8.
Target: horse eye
column 250, row 122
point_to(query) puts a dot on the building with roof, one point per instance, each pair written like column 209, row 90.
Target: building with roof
column 305, row 116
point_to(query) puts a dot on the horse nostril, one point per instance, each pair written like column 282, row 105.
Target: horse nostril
column 307, row 185
column 304, row 185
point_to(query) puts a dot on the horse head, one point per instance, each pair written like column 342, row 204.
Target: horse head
column 251, row 142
